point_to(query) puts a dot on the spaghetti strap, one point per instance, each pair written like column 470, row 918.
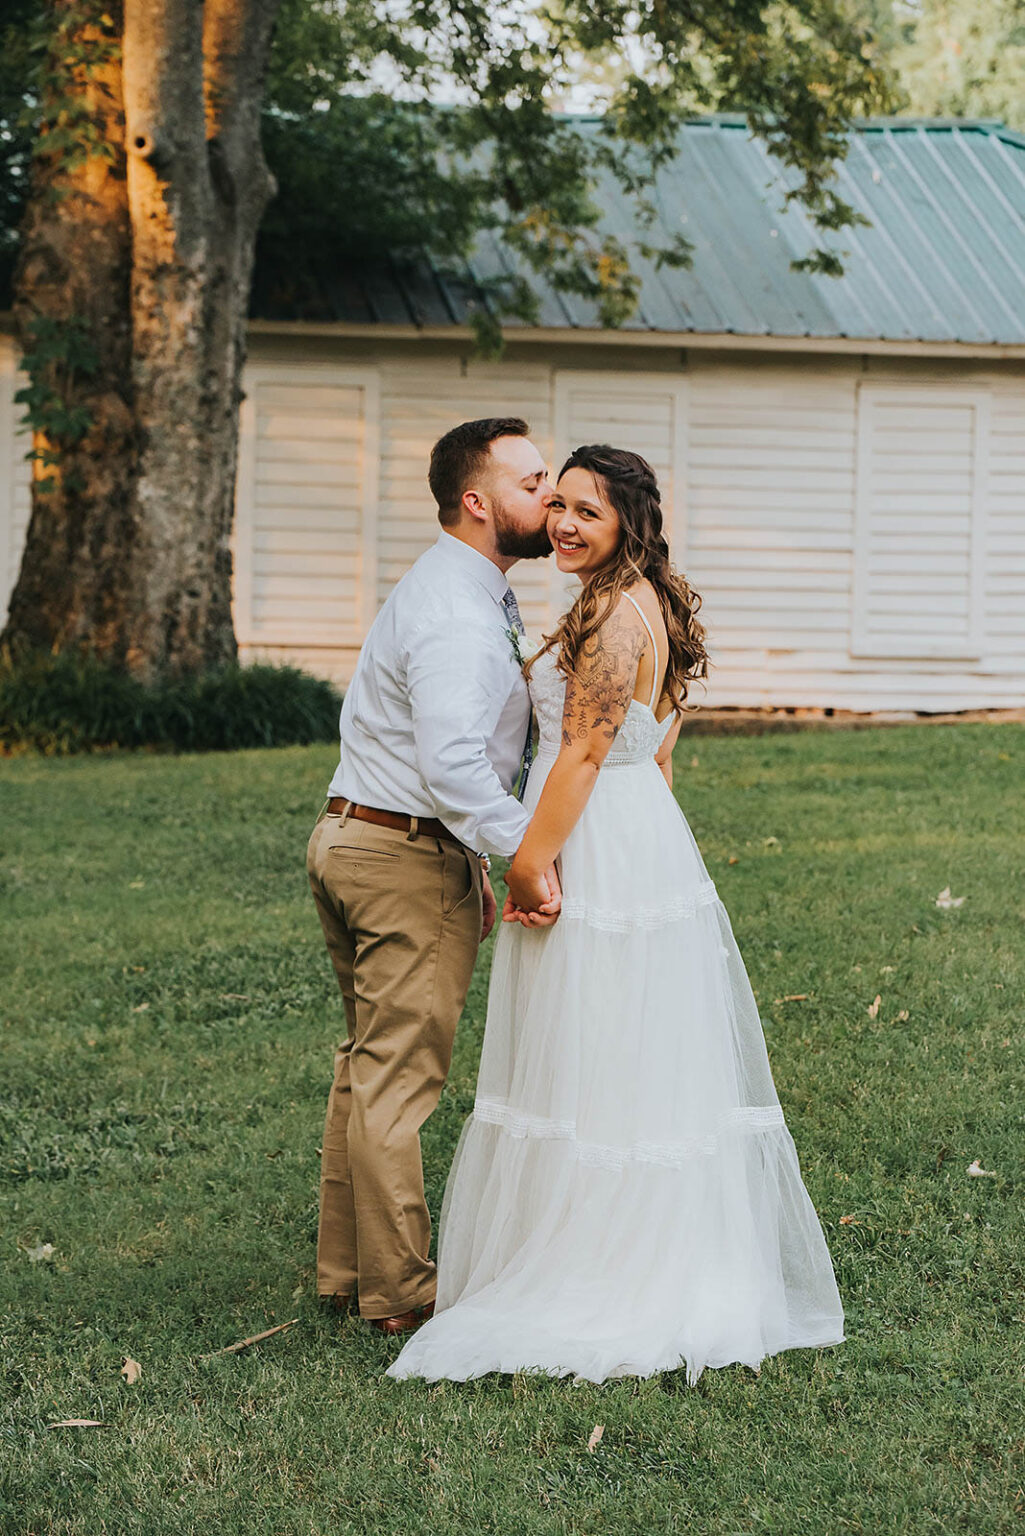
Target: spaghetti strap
column 654, row 647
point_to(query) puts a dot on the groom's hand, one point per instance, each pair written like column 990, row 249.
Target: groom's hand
column 490, row 909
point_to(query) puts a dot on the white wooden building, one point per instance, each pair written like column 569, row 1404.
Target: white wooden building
column 851, row 506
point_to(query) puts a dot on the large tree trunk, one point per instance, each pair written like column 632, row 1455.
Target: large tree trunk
column 72, row 285
column 128, row 549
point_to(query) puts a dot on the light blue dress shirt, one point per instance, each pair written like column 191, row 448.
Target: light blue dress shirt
column 435, row 718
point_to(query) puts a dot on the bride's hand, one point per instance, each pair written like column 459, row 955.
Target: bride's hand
column 553, row 906
column 528, row 888
column 545, row 899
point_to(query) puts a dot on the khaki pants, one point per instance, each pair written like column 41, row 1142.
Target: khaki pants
column 401, row 914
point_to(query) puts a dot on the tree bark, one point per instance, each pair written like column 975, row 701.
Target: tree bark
column 73, row 269
column 191, row 186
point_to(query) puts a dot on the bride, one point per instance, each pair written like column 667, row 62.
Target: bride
column 626, row 1197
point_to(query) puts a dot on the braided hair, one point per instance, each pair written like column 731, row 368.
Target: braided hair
column 628, row 485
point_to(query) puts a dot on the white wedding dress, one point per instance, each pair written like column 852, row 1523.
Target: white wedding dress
column 626, row 1197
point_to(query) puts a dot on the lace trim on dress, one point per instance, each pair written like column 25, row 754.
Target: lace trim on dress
column 665, row 1154
column 642, row 752
column 626, row 920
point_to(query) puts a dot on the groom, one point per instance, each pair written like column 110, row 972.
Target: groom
column 433, row 729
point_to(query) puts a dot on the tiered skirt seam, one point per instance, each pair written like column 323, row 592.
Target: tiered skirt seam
column 523, row 1126
column 627, row 920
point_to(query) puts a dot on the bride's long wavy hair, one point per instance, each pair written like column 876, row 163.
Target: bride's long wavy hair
column 629, row 486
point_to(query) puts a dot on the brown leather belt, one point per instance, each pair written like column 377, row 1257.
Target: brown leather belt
column 430, row 826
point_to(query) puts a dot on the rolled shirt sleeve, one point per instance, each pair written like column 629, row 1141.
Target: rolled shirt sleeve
column 458, row 684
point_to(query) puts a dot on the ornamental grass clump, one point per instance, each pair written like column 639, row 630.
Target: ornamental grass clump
column 63, row 704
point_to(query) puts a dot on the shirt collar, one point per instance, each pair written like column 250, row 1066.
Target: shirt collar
column 475, row 564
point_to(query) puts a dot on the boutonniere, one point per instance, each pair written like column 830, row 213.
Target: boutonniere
column 524, row 648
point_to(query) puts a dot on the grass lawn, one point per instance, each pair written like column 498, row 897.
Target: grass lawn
column 168, row 1017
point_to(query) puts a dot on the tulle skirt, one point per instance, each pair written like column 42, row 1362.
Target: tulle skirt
column 626, row 1197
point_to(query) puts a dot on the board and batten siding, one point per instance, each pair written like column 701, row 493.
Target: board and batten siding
column 646, row 413
column 418, row 401
column 421, row 398
column 920, row 523
column 771, row 479
column 15, row 475
column 801, row 524
column 1005, row 535
column 828, row 518
column 857, row 532
column 305, row 537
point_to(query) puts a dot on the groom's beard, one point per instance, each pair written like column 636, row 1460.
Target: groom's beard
column 518, row 543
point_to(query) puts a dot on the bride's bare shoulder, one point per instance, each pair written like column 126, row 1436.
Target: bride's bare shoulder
column 644, row 594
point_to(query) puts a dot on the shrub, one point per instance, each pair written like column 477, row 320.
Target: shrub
column 76, row 703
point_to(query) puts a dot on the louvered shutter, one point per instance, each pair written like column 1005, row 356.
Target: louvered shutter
column 305, row 535
column 920, row 522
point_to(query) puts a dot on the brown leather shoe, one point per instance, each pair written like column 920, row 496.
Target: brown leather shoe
column 404, row 1322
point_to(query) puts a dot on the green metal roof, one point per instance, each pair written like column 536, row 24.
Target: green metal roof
column 943, row 260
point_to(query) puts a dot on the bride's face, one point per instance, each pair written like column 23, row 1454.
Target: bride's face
column 583, row 527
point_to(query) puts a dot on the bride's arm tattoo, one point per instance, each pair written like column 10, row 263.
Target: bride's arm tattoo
column 599, row 691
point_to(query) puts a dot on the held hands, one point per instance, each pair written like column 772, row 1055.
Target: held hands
column 534, row 898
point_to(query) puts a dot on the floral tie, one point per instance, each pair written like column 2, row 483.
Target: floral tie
column 511, row 609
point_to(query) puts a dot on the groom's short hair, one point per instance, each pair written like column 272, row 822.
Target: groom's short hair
column 461, row 455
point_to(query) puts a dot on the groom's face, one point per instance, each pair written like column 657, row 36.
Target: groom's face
column 518, row 491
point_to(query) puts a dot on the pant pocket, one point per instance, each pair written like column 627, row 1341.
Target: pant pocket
column 458, row 883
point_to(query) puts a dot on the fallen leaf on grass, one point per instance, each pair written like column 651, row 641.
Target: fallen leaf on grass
column 234, row 997
column 595, row 1436
column 76, row 1424
column 733, row 859
column 873, row 1008
column 136, row 885
column 793, row 997
column 255, row 1338
column 977, row 1172
column 131, row 1370
column 142, row 1008
column 945, row 901
column 40, row 1254
column 850, row 1221
column 903, row 1016
column 694, row 762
